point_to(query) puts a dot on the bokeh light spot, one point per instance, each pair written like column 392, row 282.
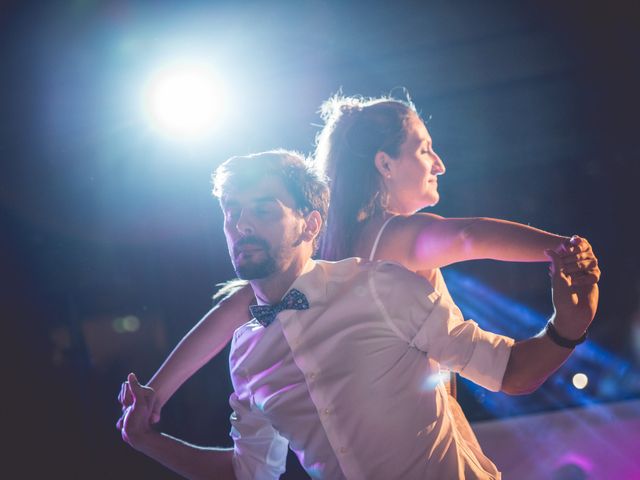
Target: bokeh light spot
column 126, row 324
column 580, row 381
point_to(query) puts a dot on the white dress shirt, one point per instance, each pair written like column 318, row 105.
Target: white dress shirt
column 352, row 384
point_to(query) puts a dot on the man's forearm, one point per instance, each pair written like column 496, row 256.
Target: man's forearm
column 188, row 460
column 531, row 362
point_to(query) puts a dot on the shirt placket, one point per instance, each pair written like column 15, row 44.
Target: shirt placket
column 305, row 357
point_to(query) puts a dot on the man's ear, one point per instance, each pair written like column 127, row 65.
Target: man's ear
column 383, row 164
column 313, row 225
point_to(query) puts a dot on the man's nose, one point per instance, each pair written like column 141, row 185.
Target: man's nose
column 244, row 225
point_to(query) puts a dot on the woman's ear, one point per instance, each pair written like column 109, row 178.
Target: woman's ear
column 313, row 225
column 383, row 164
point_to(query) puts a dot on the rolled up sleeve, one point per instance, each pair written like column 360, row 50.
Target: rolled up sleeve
column 260, row 452
column 432, row 323
column 462, row 346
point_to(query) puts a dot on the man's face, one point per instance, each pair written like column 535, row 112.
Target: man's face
column 262, row 228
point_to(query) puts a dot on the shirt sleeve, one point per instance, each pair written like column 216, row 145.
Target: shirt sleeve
column 432, row 323
column 260, row 452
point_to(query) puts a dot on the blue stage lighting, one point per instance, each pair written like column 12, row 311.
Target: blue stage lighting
column 607, row 376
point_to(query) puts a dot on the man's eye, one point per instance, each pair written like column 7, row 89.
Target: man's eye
column 230, row 214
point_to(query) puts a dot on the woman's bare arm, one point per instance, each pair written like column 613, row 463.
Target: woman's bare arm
column 206, row 339
column 425, row 241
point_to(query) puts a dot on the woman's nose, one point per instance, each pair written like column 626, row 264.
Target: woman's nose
column 438, row 167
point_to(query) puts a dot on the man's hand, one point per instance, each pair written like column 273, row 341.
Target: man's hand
column 575, row 275
column 136, row 418
column 125, row 398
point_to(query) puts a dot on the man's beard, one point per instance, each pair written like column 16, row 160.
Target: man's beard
column 254, row 269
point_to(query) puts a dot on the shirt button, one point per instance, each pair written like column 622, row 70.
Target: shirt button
column 312, row 375
column 327, row 411
column 343, row 449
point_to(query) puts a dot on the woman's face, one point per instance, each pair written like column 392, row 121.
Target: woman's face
column 412, row 181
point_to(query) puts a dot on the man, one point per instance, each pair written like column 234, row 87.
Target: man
column 343, row 367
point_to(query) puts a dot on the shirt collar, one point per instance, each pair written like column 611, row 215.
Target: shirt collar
column 311, row 282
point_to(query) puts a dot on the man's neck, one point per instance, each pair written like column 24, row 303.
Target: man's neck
column 270, row 290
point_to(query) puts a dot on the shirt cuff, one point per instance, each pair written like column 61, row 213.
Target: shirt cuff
column 489, row 359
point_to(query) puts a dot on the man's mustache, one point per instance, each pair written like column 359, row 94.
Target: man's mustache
column 250, row 241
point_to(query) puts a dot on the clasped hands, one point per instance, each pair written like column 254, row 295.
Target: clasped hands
column 139, row 410
column 575, row 274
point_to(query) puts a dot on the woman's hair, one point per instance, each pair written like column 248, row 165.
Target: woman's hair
column 355, row 129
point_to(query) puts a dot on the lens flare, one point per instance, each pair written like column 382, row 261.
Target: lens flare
column 185, row 100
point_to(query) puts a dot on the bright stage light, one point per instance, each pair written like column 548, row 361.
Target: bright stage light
column 580, row 381
column 185, row 100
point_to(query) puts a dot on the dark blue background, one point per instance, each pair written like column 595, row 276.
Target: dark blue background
column 534, row 109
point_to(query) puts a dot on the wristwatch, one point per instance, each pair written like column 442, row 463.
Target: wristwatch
column 559, row 340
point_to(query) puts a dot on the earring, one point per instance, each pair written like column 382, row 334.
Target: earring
column 383, row 199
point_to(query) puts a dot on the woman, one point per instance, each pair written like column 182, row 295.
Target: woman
column 379, row 157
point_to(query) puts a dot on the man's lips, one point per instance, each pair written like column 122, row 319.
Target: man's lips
column 249, row 249
column 249, row 245
column 246, row 250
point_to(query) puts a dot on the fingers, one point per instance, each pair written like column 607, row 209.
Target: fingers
column 578, row 244
column 585, row 279
column 578, row 257
column 155, row 416
column 580, row 267
column 134, row 386
column 124, row 396
column 556, row 267
column 556, row 261
column 132, row 379
column 578, row 261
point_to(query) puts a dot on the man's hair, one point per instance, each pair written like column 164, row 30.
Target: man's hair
column 302, row 180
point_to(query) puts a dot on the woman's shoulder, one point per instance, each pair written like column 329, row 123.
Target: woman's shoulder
column 402, row 239
column 407, row 226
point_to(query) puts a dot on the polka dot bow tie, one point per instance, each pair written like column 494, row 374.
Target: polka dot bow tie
column 266, row 314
